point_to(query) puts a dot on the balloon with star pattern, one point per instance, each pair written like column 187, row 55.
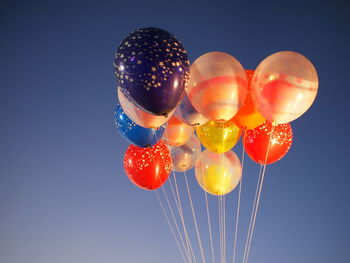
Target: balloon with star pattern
column 148, row 168
column 152, row 70
column 268, row 143
column 135, row 134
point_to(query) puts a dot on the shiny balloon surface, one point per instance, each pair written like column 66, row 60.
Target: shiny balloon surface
column 152, row 70
column 284, row 86
column 218, row 174
column 268, row 142
column 140, row 117
column 186, row 113
column 218, row 136
column 184, row 157
column 248, row 117
column 148, row 168
column 177, row 132
column 217, row 85
column 134, row 133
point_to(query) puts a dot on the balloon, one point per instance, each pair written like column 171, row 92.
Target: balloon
column 140, row 117
column 218, row 136
column 136, row 134
column 186, row 113
column 248, row 116
column 152, row 70
column 218, row 174
column 256, row 142
column 284, row 86
column 217, row 85
column 177, row 133
column 184, row 157
column 148, row 168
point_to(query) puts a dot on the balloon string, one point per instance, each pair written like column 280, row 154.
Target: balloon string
column 171, row 228
column 220, row 230
column 221, row 227
column 182, row 219
column 194, row 219
column 176, row 225
column 208, row 215
column 221, row 198
column 224, row 215
column 209, row 227
column 180, row 213
column 179, row 210
column 260, row 190
column 238, row 205
column 174, row 218
column 175, row 221
column 174, row 195
column 252, row 213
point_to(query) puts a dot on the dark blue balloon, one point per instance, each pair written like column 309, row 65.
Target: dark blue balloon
column 152, row 70
column 134, row 133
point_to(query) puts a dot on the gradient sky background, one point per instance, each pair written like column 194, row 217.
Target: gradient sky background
column 64, row 197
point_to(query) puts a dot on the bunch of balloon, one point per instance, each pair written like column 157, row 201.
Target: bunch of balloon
column 152, row 71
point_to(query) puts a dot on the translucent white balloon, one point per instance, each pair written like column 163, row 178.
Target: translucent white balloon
column 184, row 157
column 284, row 86
column 140, row 117
column 186, row 113
column 216, row 173
column 217, row 85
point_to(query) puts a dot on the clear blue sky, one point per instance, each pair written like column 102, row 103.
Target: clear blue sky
column 64, row 197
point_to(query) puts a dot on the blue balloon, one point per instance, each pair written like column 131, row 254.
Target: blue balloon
column 135, row 134
column 152, row 70
column 186, row 113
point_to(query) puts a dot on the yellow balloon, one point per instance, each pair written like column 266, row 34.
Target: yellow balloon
column 218, row 136
column 218, row 174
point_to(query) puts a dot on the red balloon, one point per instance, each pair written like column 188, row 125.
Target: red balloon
column 148, row 168
column 256, row 142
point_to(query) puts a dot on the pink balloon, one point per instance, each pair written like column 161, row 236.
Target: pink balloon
column 140, row 117
column 217, row 86
column 284, row 86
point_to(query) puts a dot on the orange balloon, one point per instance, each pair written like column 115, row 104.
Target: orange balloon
column 248, row 117
column 177, row 132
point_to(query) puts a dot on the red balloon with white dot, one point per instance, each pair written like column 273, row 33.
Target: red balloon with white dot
column 268, row 143
column 148, row 168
